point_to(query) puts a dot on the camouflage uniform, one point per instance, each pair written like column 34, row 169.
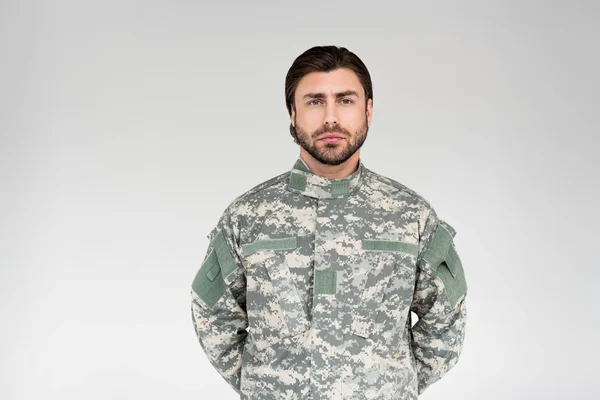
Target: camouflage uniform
column 307, row 286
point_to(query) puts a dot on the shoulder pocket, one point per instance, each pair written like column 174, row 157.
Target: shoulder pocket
column 217, row 271
column 206, row 285
column 443, row 258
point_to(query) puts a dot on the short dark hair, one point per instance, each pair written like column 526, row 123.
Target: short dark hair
column 325, row 59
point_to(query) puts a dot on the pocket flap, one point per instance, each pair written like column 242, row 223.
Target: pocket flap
column 224, row 254
column 443, row 258
column 438, row 247
column 205, row 284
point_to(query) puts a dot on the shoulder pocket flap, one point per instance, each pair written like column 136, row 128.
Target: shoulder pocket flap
column 389, row 245
column 285, row 243
column 212, row 273
column 438, row 247
column 444, row 259
column 225, row 257
column 205, row 284
column 448, row 227
column 453, row 277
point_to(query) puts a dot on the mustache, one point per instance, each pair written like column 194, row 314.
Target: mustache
column 333, row 129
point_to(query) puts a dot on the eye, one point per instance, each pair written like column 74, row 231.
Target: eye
column 310, row 103
column 349, row 101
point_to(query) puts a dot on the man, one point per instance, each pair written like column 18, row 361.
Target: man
column 308, row 283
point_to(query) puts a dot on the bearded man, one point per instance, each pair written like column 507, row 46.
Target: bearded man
column 309, row 280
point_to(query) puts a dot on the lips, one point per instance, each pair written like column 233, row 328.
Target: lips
column 330, row 136
column 331, row 139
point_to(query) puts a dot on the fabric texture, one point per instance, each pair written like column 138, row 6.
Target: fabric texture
column 308, row 284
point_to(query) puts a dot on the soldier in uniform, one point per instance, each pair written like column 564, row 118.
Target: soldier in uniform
column 309, row 280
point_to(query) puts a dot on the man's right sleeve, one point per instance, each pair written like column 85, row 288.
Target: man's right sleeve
column 219, row 303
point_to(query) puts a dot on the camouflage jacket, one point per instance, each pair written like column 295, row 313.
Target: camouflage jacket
column 308, row 284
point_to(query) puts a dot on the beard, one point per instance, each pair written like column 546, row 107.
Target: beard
column 330, row 153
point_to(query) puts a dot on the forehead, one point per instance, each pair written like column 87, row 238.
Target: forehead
column 338, row 80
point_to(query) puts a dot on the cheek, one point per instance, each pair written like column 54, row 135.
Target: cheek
column 309, row 122
column 352, row 120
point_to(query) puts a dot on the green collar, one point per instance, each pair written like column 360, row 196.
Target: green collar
column 302, row 180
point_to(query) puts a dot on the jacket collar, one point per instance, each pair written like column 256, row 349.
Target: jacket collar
column 302, row 180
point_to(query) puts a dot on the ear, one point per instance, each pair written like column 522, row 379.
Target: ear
column 293, row 116
column 369, row 111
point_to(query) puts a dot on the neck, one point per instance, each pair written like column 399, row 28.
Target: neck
column 331, row 171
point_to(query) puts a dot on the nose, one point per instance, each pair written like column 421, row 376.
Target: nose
column 331, row 117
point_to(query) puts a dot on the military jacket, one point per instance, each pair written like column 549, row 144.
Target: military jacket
column 308, row 283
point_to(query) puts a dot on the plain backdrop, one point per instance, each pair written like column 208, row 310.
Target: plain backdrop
column 127, row 128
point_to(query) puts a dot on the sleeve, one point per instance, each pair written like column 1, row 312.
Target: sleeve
column 439, row 302
column 219, row 303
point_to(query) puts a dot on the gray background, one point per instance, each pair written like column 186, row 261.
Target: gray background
column 127, row 127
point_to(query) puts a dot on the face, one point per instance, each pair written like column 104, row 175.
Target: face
column 330, row 103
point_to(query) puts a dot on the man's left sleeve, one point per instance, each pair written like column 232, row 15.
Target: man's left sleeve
column 439, row 302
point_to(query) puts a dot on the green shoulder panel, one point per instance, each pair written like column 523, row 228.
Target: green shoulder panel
column 438, row 246
column 208, row 283
column 444, row 260
column 216, row 271
column 225, row 256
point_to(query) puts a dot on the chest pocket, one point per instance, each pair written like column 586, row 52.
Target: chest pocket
column 391, row 274
column 275, row 308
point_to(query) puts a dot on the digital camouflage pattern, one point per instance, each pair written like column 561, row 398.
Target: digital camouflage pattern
column 307, row 286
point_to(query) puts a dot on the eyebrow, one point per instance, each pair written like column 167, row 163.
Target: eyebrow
column 337, row 95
